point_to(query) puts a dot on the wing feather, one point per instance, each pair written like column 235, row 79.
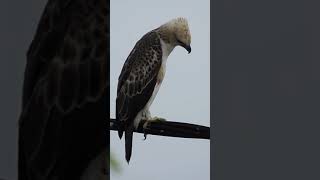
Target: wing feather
column 138, row 78
column 63, row 87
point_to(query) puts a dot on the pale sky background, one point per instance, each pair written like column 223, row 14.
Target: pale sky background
column 184, row 95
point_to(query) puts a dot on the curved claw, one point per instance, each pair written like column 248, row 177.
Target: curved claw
column 159, row 119
column 145, row 134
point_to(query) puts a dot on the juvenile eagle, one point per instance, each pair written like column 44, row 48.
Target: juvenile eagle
column 142, row 75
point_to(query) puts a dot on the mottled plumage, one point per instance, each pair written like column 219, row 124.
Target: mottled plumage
column 142, row 74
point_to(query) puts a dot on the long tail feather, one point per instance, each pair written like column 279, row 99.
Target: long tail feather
column 128, row 143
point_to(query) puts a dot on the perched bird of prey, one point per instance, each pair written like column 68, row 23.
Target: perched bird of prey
column 142, row 75
column 63, row 125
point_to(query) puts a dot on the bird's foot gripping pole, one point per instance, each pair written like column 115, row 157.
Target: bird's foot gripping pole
column 152, row 120
column 168, row 128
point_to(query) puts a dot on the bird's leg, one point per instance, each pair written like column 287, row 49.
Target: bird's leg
column 149, row 119
column 146, row 115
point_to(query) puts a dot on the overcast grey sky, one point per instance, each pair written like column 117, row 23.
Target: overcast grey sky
column 184, row 95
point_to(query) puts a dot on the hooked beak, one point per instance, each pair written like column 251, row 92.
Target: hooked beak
column 187, row 47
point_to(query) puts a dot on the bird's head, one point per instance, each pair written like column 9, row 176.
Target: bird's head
column 177, row 32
